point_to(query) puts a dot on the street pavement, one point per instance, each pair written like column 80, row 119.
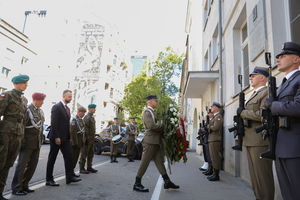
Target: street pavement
column 114, row 181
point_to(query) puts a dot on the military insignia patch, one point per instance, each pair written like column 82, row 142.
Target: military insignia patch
column 2, row 95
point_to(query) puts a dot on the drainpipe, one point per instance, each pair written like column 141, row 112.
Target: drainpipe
column 220, row 53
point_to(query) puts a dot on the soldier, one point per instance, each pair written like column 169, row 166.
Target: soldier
column 214, row 140
column 88, row 151
column 12, row 114
column 115, row 130
column 31, row 144
column 152, row 147
column 131, row 131
column 260, row 169
column 77, row 133
column 287, row 107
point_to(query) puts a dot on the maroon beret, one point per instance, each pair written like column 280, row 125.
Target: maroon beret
column 38, row 96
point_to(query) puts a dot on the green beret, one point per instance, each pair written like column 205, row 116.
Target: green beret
column 92, row 106
column 20, row 79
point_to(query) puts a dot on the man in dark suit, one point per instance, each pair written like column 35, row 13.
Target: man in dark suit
column 287, row 107
column 60, row 140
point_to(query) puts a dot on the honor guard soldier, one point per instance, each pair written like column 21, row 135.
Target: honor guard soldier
column 214, row 140
column 115, row 130
column 152, row 147
column 90, row 130
column 12, row 120
column 77, row 133
column 287, row 108
column 30, row 148
column 261, row 172
column 131, row 131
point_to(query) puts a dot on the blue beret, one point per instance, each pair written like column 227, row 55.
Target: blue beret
column 151, row 97
column 20, row 79
column 92, row 106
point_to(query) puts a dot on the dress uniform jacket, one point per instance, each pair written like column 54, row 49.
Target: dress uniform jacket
column 261, row 173
column 77, row 133
column 153, row 130
column 131, row 131
column 115, row 130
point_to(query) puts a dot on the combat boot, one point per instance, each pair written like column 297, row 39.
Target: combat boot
column 92, row 170
column 138, row 185
column 215, row 176
column 209, row 171
column 168, row 183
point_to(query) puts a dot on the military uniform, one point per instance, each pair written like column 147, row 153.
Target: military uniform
column 88, row 151
column 215, row 141
column 287, row 107
column 131, row 131
column 12, row 109
column 78, row 140
column 115, row 129
column 260, row 169
column 152, row 141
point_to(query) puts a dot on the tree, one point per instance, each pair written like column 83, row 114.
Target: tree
column 167, row 66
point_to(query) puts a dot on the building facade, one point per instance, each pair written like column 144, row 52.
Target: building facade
column 229, row 39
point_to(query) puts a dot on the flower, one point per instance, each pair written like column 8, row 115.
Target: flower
column 175, row 119
column 171, row 105
column 175, row 114
column 171, row 109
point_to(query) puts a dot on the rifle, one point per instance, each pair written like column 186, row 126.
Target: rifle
column 269, row 128
column 203, row 130
column 238, row 123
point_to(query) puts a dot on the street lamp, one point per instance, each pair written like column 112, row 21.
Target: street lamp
column 40, row 13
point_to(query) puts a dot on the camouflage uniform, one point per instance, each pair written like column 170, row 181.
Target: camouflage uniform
column 12, row 111
column 30, row 149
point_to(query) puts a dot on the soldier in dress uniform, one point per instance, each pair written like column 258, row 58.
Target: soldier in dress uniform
column 261, row 172
column 30, row 148
column 131, row 131
column 90, row 130
column 215, row 127
column 115, row 129
column 12, row 121
column 287, row 108
column 77, row 134
column 152, row 147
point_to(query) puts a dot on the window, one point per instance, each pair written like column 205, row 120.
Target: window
column 245, row 55
column 108, row 67
column 93, row 99
column 106, row 86
column 295, row 20
column 111, row 94
column 5, row 71
column 104, row 104
column 115, row 59
column 205, row 67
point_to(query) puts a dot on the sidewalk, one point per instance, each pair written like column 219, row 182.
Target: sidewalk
column 115, row 181
column 194, row 185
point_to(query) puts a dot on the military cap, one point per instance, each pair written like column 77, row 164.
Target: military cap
column 216, row 105
column 151, row 97
column 261, row 70
column 38, row 96
column 81, row 109
column 133, row 118
column 20, row 79
column 116, row 118
column 290, row 48
column 92, row 105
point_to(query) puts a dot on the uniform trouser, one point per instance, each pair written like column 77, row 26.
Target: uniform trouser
column 261, row 173
column 206, row 154
column 66, row 150
column 75, row 154
column 27, row 162
column 87, row 155
column 288, row 174
column 130, row 148
column 9, row 148
column 151, row 152
column 215, row 154
column 113, row 149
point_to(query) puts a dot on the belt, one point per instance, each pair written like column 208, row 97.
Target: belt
column 12, row 119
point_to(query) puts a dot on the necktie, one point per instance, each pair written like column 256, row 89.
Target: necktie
column 68, row 110
column 283, row 80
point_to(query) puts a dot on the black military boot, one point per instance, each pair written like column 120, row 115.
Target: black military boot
column 83, row 171
column 111, row 159
column 91, row 170
column 168, row 183
column 209, row 171
column 215, row 176
column 115, row 159
column 237, row 147
column 138, row 186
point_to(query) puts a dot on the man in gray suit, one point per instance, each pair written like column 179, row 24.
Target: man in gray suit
column 152, row 147
column 287, row 107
